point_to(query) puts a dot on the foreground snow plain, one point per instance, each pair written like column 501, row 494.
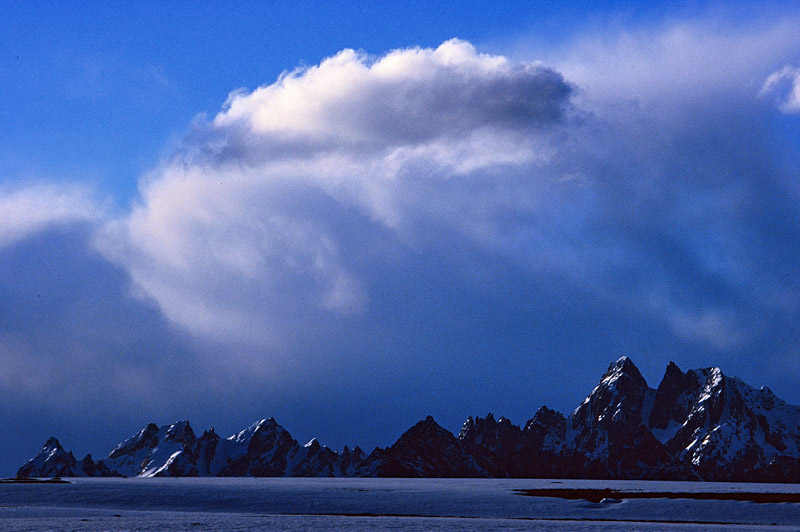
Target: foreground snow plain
column 303, row 504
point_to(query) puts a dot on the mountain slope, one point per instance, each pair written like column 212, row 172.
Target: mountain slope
column 424, row 450
column 726, row 429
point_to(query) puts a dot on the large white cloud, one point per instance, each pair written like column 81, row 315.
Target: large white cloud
column 271, row 220
column 406, row 97
column 251, row 230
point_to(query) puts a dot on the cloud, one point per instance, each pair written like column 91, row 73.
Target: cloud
column 70, row 335
column 624, row 176
column 686, row 196
column 259, row 224
column 784, row 84
column 279, row 225
column 678, row 63
column 27, row 210
column 407, row 97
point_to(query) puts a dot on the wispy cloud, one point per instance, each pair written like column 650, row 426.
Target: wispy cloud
column 27, row 210
column 785, row 86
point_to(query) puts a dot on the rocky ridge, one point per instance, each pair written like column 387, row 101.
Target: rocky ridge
column 697, row 425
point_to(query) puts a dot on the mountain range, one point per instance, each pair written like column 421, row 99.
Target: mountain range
column 696, row 425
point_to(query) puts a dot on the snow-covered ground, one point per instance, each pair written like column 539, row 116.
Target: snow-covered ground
column 168, row 504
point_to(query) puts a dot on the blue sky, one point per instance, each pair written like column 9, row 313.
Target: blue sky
column 349, row 218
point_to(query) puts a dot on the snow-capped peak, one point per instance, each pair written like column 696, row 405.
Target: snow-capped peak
column 247, row 434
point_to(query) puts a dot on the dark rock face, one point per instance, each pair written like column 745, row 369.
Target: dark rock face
column 670, row 401
column 542, row 451
column 640, row 456
column 425, row 450
column 96, row 469
column 546, row 431
column 492, row 443
column 696, row 425
column 610, row 429
column 146, row 438
column 782, row 467
column 204, row 450
column 153, row 451
column 729, row 431
column 268, row 448
column 612, row 411
column 350, row 461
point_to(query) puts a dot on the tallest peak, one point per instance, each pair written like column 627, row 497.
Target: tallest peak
column 623, row 366
column 623, row 363
column 52, row 442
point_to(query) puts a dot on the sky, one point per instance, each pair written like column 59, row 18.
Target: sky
column 350, row 217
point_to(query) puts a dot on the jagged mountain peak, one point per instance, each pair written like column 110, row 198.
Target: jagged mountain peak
column 668, row 404
column 266, row 424
column 711, row 376
column 622, row 380
column 545, row 412
column 177, row 426
column 52, row 461
column 209, row 434
column 489, row 432
column 544, row 415
column 724, row 428
column 179, row 431
column 425, row 427
column 621, row 362
column 618, row 398
column 673, row 371
column 546, row 430
column 52, row 444
column 474, row 427
column 144, row 438
column 623, row 368
column 673, row 376
column 466, row 428
column 155, row 451
column 612, row 412
column 424, row 450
